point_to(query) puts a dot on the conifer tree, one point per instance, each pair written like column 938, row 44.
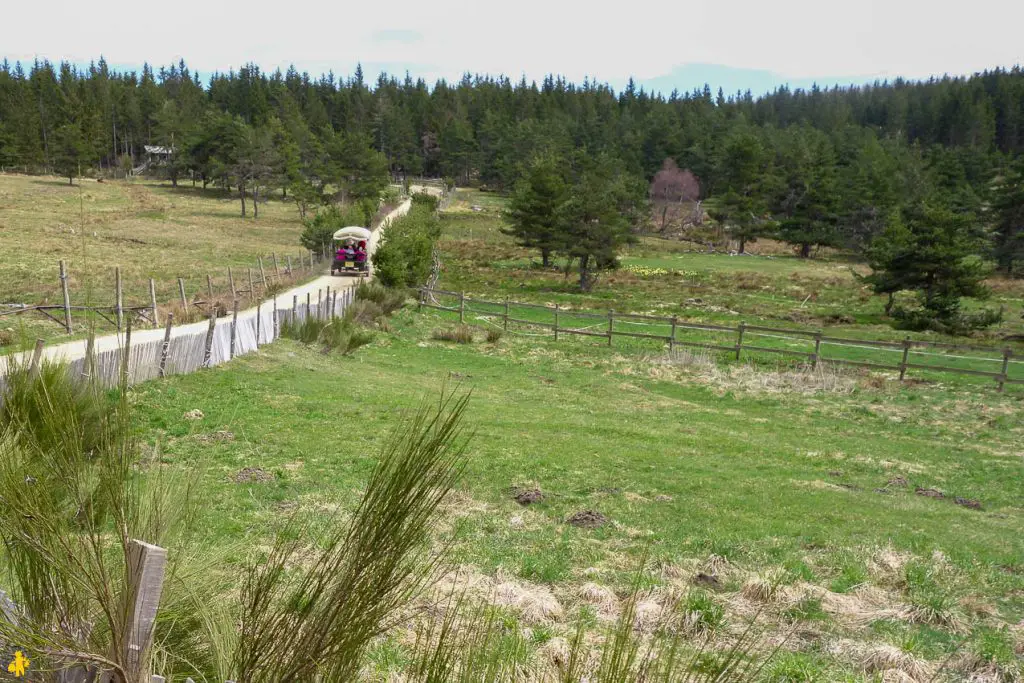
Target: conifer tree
column 533, row 208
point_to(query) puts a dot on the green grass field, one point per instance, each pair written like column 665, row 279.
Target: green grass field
column 754, row 476
column 776, row 289
column 149, row 229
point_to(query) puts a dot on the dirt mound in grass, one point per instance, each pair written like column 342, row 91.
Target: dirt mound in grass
column 587, row 519
column 528, row 495
column 252, row 475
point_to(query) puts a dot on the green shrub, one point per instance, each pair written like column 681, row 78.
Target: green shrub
column 493, row 336
column 389, row 300
column 405, row 255
column 318, row 231
column 460, row 334
column 338, row 334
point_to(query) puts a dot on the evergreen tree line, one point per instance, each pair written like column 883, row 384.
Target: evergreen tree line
column 839, row 167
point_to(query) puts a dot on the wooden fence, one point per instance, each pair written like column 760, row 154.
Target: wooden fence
column 676, row 331
column 253, row 283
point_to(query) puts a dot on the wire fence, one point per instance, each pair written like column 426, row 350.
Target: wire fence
column 810, row 346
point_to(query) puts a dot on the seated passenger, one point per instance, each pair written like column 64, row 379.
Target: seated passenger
column 350, row 253
column 361, row 252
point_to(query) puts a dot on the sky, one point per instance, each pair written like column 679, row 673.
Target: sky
column 665, row 44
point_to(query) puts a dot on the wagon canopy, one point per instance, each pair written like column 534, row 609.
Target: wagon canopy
column 352, row 233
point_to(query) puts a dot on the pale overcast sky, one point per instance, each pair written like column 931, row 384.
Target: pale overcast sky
column 666, row 43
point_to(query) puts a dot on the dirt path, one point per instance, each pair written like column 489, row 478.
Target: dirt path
column 74, row 350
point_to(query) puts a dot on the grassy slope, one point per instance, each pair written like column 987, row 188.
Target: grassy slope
column 716, row 288
column 148, row 229
column 691, row 468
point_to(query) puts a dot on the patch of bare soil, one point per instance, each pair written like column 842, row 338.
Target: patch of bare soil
column 968, row 503
column 705, row 580
column 252, row 475
column 219, row 436
column 929, row 493
column 898, row 481
column 527, row 496
column 587, row 519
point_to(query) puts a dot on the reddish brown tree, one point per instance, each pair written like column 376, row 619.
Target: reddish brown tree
column 671, row 188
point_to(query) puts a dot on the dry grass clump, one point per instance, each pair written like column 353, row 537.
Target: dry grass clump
column 460, row 334
column 601, row 598
column 704, row 367
column 885, row 661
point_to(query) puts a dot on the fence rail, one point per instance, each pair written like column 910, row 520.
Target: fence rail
column 680, row 332
column 258, row 280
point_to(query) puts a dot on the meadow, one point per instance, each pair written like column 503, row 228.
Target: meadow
column 147, row 228
column 770, row 286
column 809, row 500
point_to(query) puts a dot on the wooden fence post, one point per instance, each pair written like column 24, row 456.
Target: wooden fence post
column 273, row 322
column 152, row 303
column 327, row 302
column 295, row 308
column 903, row 362
column 208, row 353
column 146, row 568
column 419, row 299
column 67, row 296
column 611, row 325
column 37, row 356
column 209, row 290
column 505, row 317
column 817, row 350
column 258, row 305
column 739, row 338
column 89, row 366
column 231, row 281
column 234, row 330
column 556, row 322
column 263, row 275
column 319, row 304
column 334, row 305
column 166, row 346
column 1006, row 367
column 289, row 264
column 308, row 308
column 184, row 301
column 311, row 259
column 462, row 307
column 672, row 338
column 252, row 287
column 277, row 269
column 119, row 305
column 125, row 370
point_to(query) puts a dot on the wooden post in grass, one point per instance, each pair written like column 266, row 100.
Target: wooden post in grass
column 319, row 304
column 147, row 565
column 263, row 275
column 166, row 346
column 903, row 361
column 277, row 269
column 258, row 305
column 273, row 323
column 208, row 352
column 334, row 305
column 1006, row 366
column 119, row 304
column 328, row 302
column 67, row 296
column 37, row 356
column 184, row 301
column 611, row 325
column 152, row 303
column 234, row 329
column 817, row 350
column 295, row 308
column 308, row 309
column 462, row 307
column 231, row 281
column 89, row 366
column 289, row 264
column 672, row 337
column 419, row 299
column 505, row 317
column 739, row 338
column 126, row 358
column 556, row 322
column 252, row 287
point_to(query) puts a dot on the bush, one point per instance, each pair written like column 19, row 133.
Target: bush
column 952, row 322
column 460, row 334
column 338, row 334
column 405, row 255
column 364, row 312
column 389, row 300
column 493, row 336
column 318, row 231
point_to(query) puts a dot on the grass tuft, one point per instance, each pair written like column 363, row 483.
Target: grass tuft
column 460, row 334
